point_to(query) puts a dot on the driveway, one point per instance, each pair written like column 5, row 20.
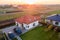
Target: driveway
column 10, row 29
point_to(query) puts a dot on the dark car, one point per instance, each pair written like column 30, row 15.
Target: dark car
column 17, row 31
column 11, row 35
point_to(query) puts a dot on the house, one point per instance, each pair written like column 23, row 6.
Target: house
column 27, row 22
column 54, row 20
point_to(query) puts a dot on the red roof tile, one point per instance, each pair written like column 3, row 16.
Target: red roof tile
column 27, row 19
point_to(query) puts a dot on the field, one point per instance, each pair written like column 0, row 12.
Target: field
column 10, row 16
column 10, row 13
column 39, row 34
column 32, row 10
column 54, row 12
column 48, row 13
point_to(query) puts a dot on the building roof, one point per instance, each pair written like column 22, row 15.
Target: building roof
column 27, row 19
column 54, row 18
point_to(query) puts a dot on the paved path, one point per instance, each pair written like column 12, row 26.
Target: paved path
column 18, row 37
column 10, row 29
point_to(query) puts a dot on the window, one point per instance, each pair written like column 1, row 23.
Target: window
column 34, row 24
column 56, row 23
column 27, row 26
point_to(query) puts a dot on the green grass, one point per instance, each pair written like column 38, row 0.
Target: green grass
column 51, row 13
column 10, row 16
column 39, row 34
column 54, row 12
column 14, row 39
column 16, row 15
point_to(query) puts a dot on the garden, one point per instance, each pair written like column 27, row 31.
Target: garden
column 39, row 33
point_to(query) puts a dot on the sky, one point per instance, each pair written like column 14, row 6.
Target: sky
column 29, row 1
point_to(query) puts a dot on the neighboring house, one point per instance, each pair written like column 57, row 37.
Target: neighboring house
column 27, row 22
column 54, row 20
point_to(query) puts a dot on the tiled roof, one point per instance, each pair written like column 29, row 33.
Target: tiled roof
column 27, row 19
column 54, row 18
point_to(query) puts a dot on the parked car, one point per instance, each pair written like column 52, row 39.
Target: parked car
column 11, row 35
column 17, row 31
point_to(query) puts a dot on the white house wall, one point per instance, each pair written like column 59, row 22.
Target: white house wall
column 31, row 25
column 59, row 23
column 19, row 25
column 36, row 23
column 55, row 24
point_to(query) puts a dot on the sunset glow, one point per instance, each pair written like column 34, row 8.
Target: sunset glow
column 29, row 1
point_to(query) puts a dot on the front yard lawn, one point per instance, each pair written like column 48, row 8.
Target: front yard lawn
column 39, row 34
